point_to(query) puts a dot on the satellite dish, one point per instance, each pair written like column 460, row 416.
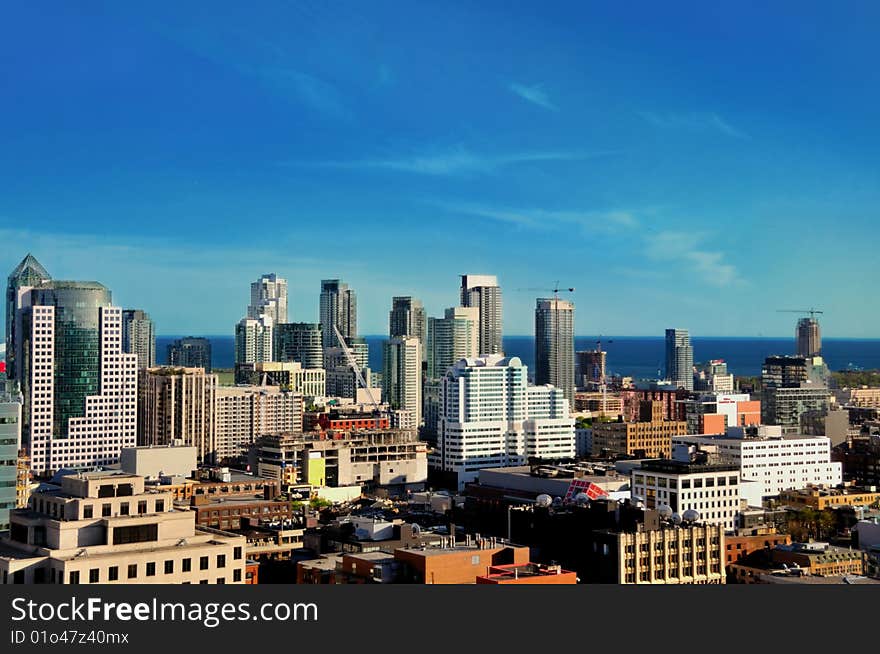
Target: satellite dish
column 691, row 515
column 581, row 499
column 637, row 499
column 416, row 530
column 544, row 500
column 557, row 501
column 676, row 519
column 665, row 511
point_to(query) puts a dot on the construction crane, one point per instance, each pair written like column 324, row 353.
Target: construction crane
column 555, row 290
column 354, row 366
column 810, row 311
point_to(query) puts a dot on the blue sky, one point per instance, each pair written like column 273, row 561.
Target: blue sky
column 682, row 164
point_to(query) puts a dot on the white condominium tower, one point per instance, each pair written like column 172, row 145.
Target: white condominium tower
column 253, row 340
column 402, row 375
column 338, row 308
column 491, row 417
column 679, row 358
column 269, row 298
column 483, row 292
column 80, row 388
column 451, row 338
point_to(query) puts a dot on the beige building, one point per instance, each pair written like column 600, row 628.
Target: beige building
column 245, row 413
column 650, row 438
column 104, row 527
column 289, row 375
column 177, row 404
column 382, row 457
column 862, row 397
column 690, row 554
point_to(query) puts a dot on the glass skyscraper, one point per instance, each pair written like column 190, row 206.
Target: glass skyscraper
column 680, row 358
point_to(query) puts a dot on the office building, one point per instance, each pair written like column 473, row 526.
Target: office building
column 300, row 342
column 491, row 417
column 679, row 358
column 371, row 457
column 777, row 462
column 650, row 437
column 713, row 376
column 269, row 298
column 710, row 488
column 290, row 375
column 554, row 345
column 451, row 338
column 402, row 375
column 139, row 337
column 79, row 387
column 794, row 371
column 253, row 340
column 190, row 352
column 713, row 413
column 407, row 318
column 106, row 528
column 808, row 338
column 176, row 406
column 242, row 414
column 10, row 445
column 787, row 406
column 483, row 293
column 338, row 308
column 27, row 274
column 590, row 368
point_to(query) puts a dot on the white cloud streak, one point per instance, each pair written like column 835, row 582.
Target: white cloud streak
column 534, row 94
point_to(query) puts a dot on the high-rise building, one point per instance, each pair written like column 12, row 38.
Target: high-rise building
column 244, row 413
column 27, row 274
column 407, row 318
column 483, row 292
column 300, row 342
column 190, row 352
column 253, row 340
column 79, row 387
column 10, row 444
column 791, row 387
column 808, row 337
column 269, row 298
column 177, row 404
column 402, row 375
column 451, row 338
column 139, row 337
column 490, row 417
column 679, row 358
column 554, row 345
column 590, row 368
column 338, row 309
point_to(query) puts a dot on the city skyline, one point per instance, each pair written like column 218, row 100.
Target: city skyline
column 584, row 147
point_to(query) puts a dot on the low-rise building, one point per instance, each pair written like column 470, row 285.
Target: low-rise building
column 528, row 574
column 105, row 528
column 816, row 559
column 821, row 497
column 651, row 437
column 460, row 563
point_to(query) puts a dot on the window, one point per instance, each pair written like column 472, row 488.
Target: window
column 88, row 511
column 187, row 565
column 221, row 560
column 151, row 569
column 142, row 507
column 113, row 573
column 123, row 508
column 105, row 510
column 236, row 553
column 169, row 567
column 236, row 575
column 221, row 580
column 74, row 577
column 135, row 534
column 132, row 571
column 203, row 581
column 94, row 575
column 160, row 506
column 203, row 563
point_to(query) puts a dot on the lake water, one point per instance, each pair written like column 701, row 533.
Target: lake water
column 633, row 356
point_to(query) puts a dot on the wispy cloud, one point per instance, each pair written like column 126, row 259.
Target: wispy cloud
column 534, row 94
column 707, row 265
column 699, row 121
column 612, row 220
column 456, row 161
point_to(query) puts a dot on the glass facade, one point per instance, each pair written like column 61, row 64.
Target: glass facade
column 10, row 443
column 77, row 364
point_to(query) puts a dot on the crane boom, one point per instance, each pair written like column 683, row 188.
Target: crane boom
column 812, row 311
column 354, row 366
